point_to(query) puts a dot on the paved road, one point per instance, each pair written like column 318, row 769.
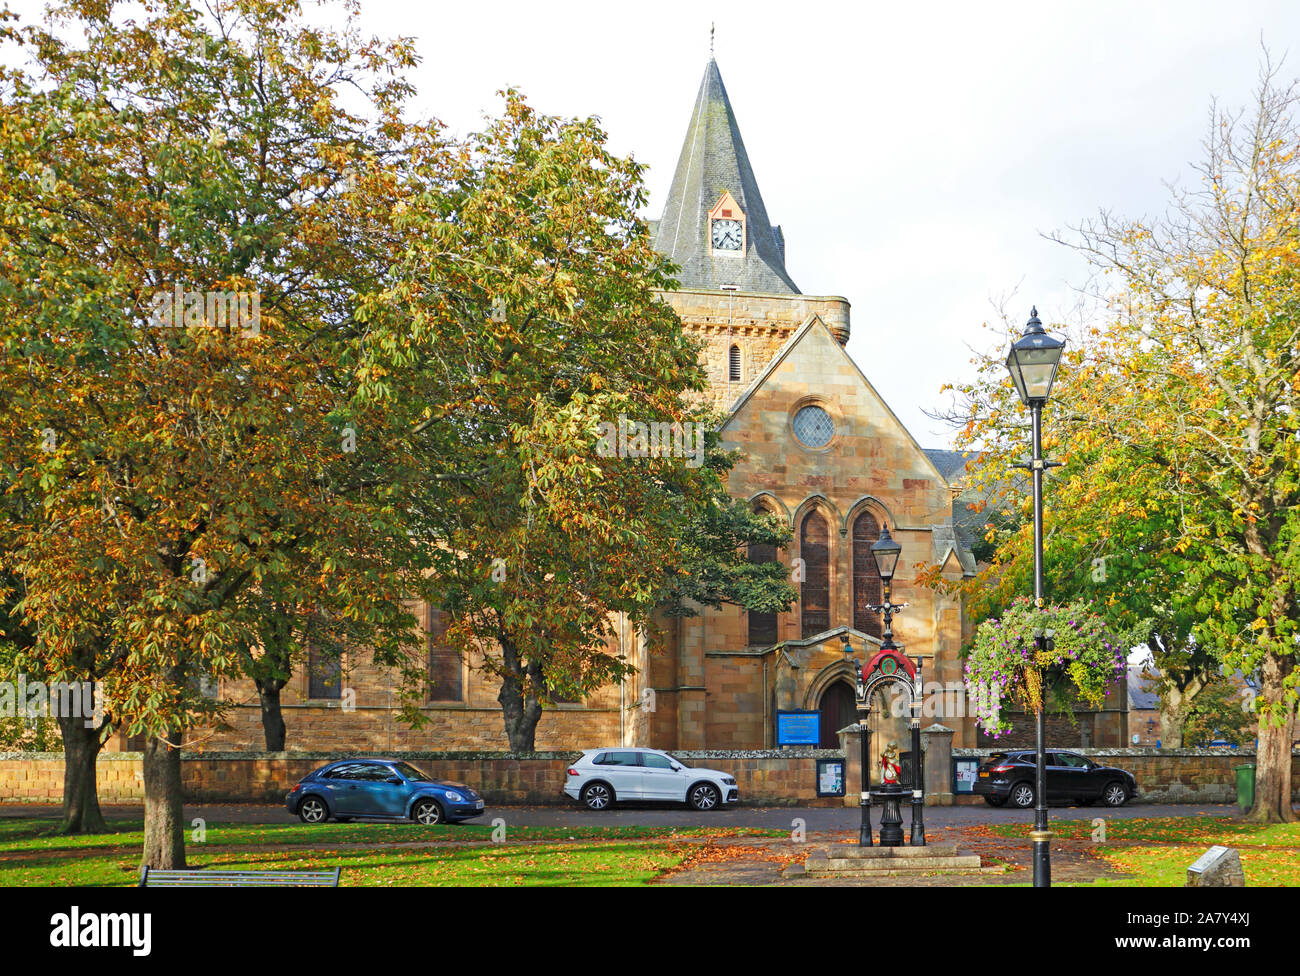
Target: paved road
column 641, row 815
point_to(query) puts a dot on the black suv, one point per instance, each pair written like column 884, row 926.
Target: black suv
column 1070, row 779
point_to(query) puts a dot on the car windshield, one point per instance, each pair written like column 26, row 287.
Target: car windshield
column 684, row 765
column 410, row 772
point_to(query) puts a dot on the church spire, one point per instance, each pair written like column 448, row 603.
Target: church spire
column 714, row 224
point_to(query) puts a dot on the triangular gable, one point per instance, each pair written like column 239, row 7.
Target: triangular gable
column 951, row 562
column 813, row 322
column 726, row 207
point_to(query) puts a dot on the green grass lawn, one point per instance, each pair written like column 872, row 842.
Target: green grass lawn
column 1169, row 830
column 1166, row 866
column 21, row 834
column 32, row 854
column 577, row 863
column 1157, row 851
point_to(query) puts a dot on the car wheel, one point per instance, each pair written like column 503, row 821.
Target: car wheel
column 1115, row 794
column 704, row 796
column 597, row 796
column 995, row 801
column 1022, row 795
column 313, row 810
column 427, row 812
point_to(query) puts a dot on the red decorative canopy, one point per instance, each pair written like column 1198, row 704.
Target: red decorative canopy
column 890, row 661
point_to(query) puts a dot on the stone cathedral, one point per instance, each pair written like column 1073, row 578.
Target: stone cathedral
column 820, row 448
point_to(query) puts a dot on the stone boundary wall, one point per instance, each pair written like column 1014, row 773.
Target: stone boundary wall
column 765, row 777
column 1171, row 775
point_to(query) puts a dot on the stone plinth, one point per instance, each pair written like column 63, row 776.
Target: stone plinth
column 848, row 859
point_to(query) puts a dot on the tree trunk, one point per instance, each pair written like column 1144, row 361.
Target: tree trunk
column 1273, row 760
column 1171, row 723
column 164, row 837
column 521, row 712
column 273, row 730
column 1176, row 697
column 81, row 814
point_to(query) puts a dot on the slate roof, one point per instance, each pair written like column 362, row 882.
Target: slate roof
column 948, row 537
column 951, row 464
column 967, row 523
column 713, row 160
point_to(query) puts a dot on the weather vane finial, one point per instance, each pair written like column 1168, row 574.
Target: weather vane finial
column 711, row 40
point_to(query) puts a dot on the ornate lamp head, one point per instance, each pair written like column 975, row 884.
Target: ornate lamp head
column 1032, row 362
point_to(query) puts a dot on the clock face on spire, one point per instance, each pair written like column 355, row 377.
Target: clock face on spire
column 728, row 235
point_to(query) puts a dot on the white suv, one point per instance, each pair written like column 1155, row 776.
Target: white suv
column 603, row 776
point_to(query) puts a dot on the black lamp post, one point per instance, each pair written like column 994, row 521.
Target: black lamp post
column 1032, row 363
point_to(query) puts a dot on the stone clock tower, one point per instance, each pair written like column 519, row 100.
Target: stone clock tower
column 819, row 448
column 736, row 294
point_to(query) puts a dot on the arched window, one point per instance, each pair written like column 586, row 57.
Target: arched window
column 444, row 662
column 867, row 585
column 762, row 626
column 815, row 591
column 324, row 674
column 733, row 364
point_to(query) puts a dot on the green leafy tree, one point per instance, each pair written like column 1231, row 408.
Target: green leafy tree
column 1176, row 419
column 545, row 324
column 1217, row 713
column 161, row 462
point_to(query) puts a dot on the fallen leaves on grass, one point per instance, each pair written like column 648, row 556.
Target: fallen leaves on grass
column 714, row 853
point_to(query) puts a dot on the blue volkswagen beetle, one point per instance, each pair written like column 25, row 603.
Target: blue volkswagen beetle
column 386, row 789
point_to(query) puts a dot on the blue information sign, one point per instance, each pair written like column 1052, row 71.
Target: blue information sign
column 798, row 728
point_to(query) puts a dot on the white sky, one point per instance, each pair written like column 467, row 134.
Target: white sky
column 913, row 153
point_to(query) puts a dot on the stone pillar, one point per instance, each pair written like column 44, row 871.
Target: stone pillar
column 851, row 746
column 937, row 745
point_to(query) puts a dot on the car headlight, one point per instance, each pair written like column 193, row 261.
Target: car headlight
column 729, row 781
column 453, row 795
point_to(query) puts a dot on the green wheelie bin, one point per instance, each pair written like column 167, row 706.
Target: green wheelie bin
column 1246, row 786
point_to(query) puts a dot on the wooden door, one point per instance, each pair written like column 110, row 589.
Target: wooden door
column 838, row 708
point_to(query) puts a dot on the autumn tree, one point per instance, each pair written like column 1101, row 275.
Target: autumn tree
column 1218, row 713
column 165, row 454
column 1127, row 568
column 550, row 331
column 1176, row 419
column 440, row 329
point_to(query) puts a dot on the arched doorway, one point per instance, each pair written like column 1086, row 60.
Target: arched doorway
column 839, row 708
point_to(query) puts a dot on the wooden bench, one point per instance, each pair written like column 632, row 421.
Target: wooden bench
column 216, row 878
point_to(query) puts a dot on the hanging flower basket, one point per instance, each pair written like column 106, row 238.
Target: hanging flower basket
column 1005, row 661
